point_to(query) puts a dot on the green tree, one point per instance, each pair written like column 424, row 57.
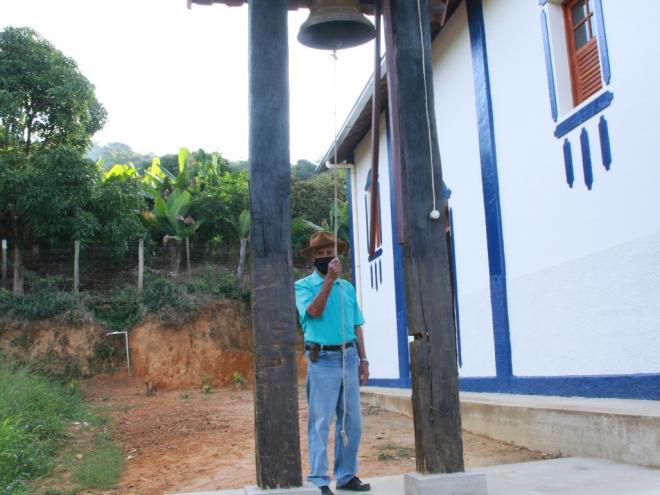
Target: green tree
column 44, row 99
column 303, row 169
column 117, row 205
column 48, row 114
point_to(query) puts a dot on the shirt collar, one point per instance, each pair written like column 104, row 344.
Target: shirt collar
column 318, row 279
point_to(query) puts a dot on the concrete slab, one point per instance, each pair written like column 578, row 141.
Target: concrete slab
column 567, row 476
column 468, row 483
column 620, row 430
column 306, row 489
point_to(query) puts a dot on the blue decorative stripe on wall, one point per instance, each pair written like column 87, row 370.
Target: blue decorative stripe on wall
column 602, row 43
column 605, row 150
column 491, row 193
column 548, row 66
column 586, row 158
column 585, row 113
column 642, row 386
column 568, row 163
column 399, row 285
column 457, row 313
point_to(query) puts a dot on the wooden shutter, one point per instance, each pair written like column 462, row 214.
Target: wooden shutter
column 586, row 76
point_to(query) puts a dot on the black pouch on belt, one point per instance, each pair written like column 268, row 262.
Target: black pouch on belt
column 314, row 352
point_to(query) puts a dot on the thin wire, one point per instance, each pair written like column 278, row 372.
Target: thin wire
column 344, row 435
column 426, row 101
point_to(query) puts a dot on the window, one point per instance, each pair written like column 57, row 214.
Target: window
column 582, row 46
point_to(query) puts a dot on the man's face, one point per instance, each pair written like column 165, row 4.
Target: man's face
column 324, row 252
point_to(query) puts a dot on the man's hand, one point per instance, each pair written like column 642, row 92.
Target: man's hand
column 334, row 269
column 363, row 372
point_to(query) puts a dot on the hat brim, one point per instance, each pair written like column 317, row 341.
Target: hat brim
column 342, row 247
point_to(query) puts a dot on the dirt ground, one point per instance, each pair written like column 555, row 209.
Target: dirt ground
column 186, row 441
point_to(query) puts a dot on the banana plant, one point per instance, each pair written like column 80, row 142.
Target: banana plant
column 328, row 224
column 171, row 218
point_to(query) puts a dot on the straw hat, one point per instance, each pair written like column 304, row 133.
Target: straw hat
column 323, row 239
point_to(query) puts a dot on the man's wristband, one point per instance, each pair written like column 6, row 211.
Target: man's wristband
column 364, row 360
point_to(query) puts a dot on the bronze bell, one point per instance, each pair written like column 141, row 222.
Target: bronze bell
column 335, row 24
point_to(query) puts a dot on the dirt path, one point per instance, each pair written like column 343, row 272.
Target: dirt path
column 188, row 441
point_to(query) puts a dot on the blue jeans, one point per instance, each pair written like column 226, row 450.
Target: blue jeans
column 325, row 400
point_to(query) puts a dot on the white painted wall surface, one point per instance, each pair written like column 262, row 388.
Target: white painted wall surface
column 459, row 151
column 378, row 306
column 582, row 265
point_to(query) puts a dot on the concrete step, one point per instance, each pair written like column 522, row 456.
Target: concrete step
column 620, row 430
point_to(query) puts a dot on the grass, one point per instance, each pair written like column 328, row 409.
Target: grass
column 393, row 451
column 35, row 430
column 101, row 467
column 34, row 413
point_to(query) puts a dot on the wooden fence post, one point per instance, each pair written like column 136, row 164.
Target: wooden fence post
column 4, row 263
column 76, row 266
column 140, row 266
column 188, row 253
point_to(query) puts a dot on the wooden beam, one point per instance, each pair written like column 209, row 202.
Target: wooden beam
column 273, row 309
column 436, row 413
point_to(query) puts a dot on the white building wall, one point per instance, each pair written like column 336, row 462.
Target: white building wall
column 378, row 304
column 583, row 266
column 456, row 120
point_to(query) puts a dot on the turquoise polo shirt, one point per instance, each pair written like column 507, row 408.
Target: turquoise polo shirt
column 326, row 329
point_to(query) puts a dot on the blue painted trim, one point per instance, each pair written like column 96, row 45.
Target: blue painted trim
column 586, row 158
column 640, row 386
column 491, row 190
column 457, row 318
column 399, row 284
column 602, row 43
column 583, row 114
column 376, row 255
column 568, row 163
column 605, row 149
column 548, row 66
column 349, row 197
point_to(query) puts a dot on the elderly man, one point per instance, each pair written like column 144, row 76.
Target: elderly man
column 329, row 340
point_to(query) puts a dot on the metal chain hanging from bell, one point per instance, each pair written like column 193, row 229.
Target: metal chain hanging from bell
column 335, row 25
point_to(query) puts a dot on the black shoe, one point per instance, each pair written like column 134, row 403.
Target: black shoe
column 355, row 485
column 325, row 490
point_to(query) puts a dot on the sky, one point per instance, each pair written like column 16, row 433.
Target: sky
column 172, row 77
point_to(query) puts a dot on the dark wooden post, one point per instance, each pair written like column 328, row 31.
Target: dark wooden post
column 436, row 413
column 273, row 308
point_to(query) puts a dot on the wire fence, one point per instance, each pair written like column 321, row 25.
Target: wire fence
column 105, row 267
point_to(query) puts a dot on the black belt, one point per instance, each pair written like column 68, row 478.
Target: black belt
column 323, row 347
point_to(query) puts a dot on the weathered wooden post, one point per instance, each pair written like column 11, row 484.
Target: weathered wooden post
column 4, row 263
column 140, row 286
column 273, row 309
column 76, row 266
column 436, row 412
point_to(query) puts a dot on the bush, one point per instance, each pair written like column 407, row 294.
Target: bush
column 34, row 412
column 44, row 303
column 167, row 300
column 120, row 311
